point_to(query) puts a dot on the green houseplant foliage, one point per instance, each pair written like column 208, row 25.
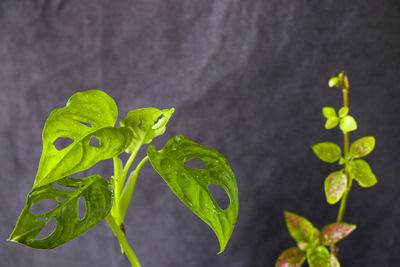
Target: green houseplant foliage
column 87, row 124
column 312, row 244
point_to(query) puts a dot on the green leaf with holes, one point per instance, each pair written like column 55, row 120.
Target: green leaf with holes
column 97, row 193
column 292, row 257
column 87, row 115
column 333, row 233
column 146, row 124
column 319, row 257
column 335, row 186
column 191, row 185
column 348, row 124
column 362, row 147
column 327, row 151
column 361, row 171
column 302, row 230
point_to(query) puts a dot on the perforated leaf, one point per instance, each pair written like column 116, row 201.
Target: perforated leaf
column 88, row 115
column 362, row 147
column 319, row 257
column 190, row 185
column 361, row 171
column 146, row 124
column 327, row 151
column 335, row 232
column 335, row 186
column 301, row 230
column 292, row 257
column 97, row 193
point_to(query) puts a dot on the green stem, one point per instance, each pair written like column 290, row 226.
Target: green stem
column 343, row 203
column 123, row 241
column 129, row 163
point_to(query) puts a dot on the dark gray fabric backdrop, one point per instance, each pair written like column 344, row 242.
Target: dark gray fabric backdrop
column 247, row 78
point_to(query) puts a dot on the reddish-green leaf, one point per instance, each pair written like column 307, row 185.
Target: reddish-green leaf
column 334, row 232
column 362, row 147
column 327, row 151
column 319, row 257
column 361, row 171
column 335, row 185
column 301, row 230
column 292, row 257
column 334, row 261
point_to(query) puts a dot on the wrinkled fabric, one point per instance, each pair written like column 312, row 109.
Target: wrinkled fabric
column 248, row 78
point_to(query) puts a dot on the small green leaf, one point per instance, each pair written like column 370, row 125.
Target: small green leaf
column 87, row 115
column 361, row 171
column 328, row 112
column 327, row 151
column 331, row 123
column 334, row 261
column 191, row 185
column 348, row 124
column 334, row 82
column 335, row 186
column 146, row 124
column 292, row 257
column 97, row 193
column 342, row 161
column 343, row 112
column 362, row 147
column 335, row 232
column 305, row 234
column 319, row 257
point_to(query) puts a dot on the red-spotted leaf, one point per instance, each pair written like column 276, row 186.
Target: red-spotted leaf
column 292, row 257
column 334, row 261
column 362, row 147
column 361, row 171
column 335, row 186
column 335, row 232
column 301, row 230
column 327, row 151
column 319, row 257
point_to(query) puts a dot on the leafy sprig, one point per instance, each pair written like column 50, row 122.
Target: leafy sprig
column 91, row 116
column 312, row 243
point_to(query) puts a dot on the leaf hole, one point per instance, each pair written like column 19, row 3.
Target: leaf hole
column 60, row 199
column 158, row 122
column 43, row 206
column 62, row 142
column 86, row 124
column 81, row 208
column 94, row 141
column 64, row 188
column 196, row 163
column 140, row 124
column 220, row 196
column 41, row 219
column 47, row 230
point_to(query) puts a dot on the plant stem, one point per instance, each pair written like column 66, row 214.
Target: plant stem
column 123, row 241
column 343, row 203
